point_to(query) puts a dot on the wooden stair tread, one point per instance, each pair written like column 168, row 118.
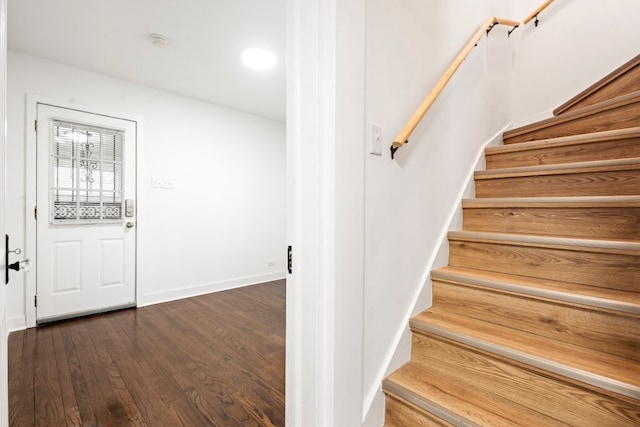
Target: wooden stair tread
column 625, row 247
column 563, row 168
column 630, row 98
column 566, row 140
column 580, row 364
column 458, row 403
column 590, row 296
column 546, row 202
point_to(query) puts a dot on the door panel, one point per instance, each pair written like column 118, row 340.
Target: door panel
column 112, row 262
column 66, row 267
column 85, row 251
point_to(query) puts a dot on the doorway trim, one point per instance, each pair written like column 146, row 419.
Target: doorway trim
column 325, row 212
column 4, row 334
column 32, row 102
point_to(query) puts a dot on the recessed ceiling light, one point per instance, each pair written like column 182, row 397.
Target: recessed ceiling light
column 258, row 58
column 158, row 40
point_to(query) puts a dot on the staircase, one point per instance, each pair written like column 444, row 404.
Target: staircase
column 536, row 319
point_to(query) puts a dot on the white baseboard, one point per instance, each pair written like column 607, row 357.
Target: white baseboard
column 152, row 298
column 17, row 323
column 375, row 415
column 531, row 119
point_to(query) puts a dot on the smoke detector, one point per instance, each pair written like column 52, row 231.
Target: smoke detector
column 158, row 40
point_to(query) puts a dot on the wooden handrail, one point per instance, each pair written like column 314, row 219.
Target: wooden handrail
column 408, row 129
column 536, row 12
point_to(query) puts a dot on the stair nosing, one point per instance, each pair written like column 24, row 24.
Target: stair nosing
column 427, row 405
column 566, row 297
column 609, row 104
column 567, row 201
column 539, row 240
column 560, row 168
column 532, row 360
column 563, row 141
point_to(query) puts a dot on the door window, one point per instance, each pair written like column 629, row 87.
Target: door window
column 86, row 173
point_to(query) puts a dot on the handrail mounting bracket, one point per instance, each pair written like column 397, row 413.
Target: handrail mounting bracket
column 512, row 30
column 491, row 28
column 394, row 149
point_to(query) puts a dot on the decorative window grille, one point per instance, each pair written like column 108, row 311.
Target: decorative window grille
column 86, row 174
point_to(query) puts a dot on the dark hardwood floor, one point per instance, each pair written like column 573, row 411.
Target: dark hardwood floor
column 213, row 360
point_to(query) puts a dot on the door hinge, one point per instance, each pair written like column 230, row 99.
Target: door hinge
column 35, row 213
column 35, row 125
column 35, row 300
column 289, row 260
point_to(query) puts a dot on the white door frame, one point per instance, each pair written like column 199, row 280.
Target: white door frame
column 4, row 336
column 325, row 212
column 30, row 201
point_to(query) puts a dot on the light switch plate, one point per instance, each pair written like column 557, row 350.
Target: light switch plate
column 159, row 182
column 375, row 139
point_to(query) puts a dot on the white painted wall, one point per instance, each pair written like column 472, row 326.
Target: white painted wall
column 411, row 201
column 575, row 44
column 225, row 218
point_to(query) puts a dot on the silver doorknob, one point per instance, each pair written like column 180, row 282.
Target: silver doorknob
column 129, row 225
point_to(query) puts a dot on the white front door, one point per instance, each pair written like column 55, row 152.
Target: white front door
column 86, row 235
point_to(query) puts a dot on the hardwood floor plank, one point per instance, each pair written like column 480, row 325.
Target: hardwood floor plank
column 78, row 382
column 213, row 385
column 163, row 371
column 213, row 360
column 21, row 397
column 71, row 410
column 200, row 386
column 152, row 389
column 49, row 406
column 112, row 403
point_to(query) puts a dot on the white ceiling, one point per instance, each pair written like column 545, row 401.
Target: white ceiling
column 201, row 60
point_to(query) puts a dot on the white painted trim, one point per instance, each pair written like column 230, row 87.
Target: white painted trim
column 454, row 211
column 325, row 211
column 32, row 102
column 159, row 297
column 17, row 323
column 310, row 122
column 294, row 330
column 4, row 335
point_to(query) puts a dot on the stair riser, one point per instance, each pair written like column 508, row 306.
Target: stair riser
column 606, row 150
column 605, row 270
column 599, row 330
column 527, row 386
column 607, row 223
column 402, row 414
column 621, row 117
column 603, row 183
